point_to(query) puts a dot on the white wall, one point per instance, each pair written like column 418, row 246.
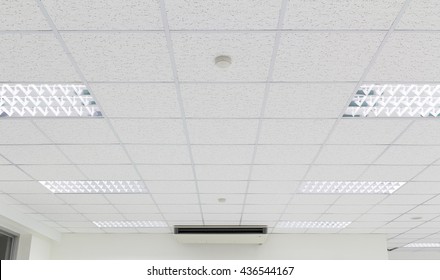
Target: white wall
column 164, row 246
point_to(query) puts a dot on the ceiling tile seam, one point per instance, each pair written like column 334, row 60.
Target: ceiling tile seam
column 361, row 79
column 424, row 222
column 276, row 45
column 170, row 47
column 235, row 82
column 221, row 144
column 72, row 60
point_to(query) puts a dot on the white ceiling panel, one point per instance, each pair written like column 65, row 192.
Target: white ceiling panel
column 169, row 208
column 301, row 56
column 408, row 57
column 166, row 172
column 349, row 209
column 103, row 217
column 250, row 54
column 295, row 131
column 421, row 15
column 267, row 199
column 302, row 199
column 21, row 132
column 221, row 217
column 335, row 172
column 273, row 186
column 260, row 208
column 33, row 154
column 121, row 56
column 260, row 217
column 171, row 186
column 53, row 172
column 229, row 14
column 193, row 217
column 175, row 198
column 9, row 172
column 105, row 15
column 22, row 187
column 129, row 198
column 150, row 131
column 83, row 198
column 222, row 208
column 420, row 188
column 34, row 58
column 147, row 100
column 278, row 172
column 307, row 208
column 95, row 154
column 400, row 173
column 102, row 209
column 403, row 199
column 286, row 154
column 222, row 154
column 222, row 100
column 109, row 172
column 410, row 155
column 3, row 160
column 349, row 154
column 159, row 154
column 6, row 199
column 390, row 209
column 345, row 14
column 136, row 208
column 49, row 209
column 66, row 217
column 222, row 186
column 37, row 199
column 21, row 15
column 426, row 132
column 229, row 199
column 360, row 198
column 222, row 172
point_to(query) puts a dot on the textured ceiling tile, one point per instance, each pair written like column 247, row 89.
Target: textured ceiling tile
column 21, row 15
column 286, row 154
column 222, row 154
column 421, row 15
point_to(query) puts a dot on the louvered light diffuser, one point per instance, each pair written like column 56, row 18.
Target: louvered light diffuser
column 130, row 224
column 312, row 224
column 422, row 245
column 76, row 187
column 351, row 187
column 395, row 100
column 44, row 100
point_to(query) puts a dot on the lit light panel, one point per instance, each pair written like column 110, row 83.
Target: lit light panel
column 312, row 224
column 47, row 100
column 130, row 224
column 77, row 187
column 395, row 100
column 422, row 245
column 350, row 187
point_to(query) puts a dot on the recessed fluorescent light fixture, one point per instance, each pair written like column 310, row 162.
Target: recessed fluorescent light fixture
column 422, row 245
column 351, row 187
column 47, row 100
column 108, row 187
column 312, row 224
column 130, row 224
column 395, row 100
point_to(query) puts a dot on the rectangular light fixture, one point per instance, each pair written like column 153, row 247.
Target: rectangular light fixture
column 422, row 245
column 130, row 224
column 350, row 187
column 395, row 100
column 107, row 187
column 47, row 100
column 312, row 224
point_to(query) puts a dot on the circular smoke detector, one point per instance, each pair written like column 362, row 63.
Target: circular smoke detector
column 223, row 61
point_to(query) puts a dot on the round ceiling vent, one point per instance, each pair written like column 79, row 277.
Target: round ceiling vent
column 223, row 61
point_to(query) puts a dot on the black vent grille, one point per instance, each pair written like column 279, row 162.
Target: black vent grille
column 220, row 229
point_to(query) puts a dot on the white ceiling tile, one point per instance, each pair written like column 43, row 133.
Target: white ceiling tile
column 7, row 199
column 260, row 217
column 66, row 217
column 335, row 172
column 222, row 172
column 301, row 56
column 342, row 217
column 33, row 154
column 222, row 131
column 223, row 217
column 129, row 198
column 21, row 132
column 377, row 217
column 83, row 198
column 183, row 217
column 222, row 100
column 273, row 186
column 370, row 224
column 150, row 131
column 278, row 172
column 53, row 172
column 143, row 217
column 77, row 131
column 121, row 56
column 154, row 230
column 9, row 172
column 136, row 208
column 159, row 154
column 48, row 208
column 307, row 100
column 222, row 154
column 96, row 154
column 345, row 14
column 171, row 186
column 267, row 198
column 104, row 217
column 221, row 208
column 222, row 186
column 313, row 199
column 109, row 172
column 407, row 225
column 295, row 131
column 3, row 160
column 170, row 208
column 34, row 57
column 349, row 209
column 176, row 198
column 23, row 208
column 300, row 217
column 77, row 224
column 22, row 187
column 82, row 230
column 408, row 57
column 120, row 230
column 410, row 155
column 409, row 217
column 37, row 199
column 432, row 173
column 307, row 208
column 421, row 15
column 230, row 199
column 426, row 132
column 419, row 188
column 400, row 173
column 21, row 15
column 286, row 154
column 102, row 209
column 389, row 208
column 250, row 54
column 435, row 199
column 137, row 100
column 367, row 131
column 260, row 208
column 105, row 15
column 349, row 154
column 166, row 172
column 406, row 199
column 360, row 198
column 230, row 14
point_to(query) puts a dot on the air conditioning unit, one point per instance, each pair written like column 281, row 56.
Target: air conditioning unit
column 221, row 234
